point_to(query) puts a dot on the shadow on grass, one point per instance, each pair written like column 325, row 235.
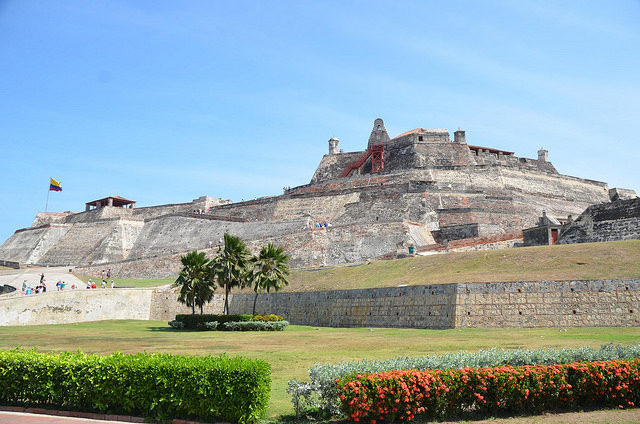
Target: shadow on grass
column 169, row 329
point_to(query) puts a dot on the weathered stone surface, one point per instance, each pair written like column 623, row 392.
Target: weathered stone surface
column 618, row 220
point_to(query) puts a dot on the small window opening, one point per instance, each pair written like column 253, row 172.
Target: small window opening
column 420, row 138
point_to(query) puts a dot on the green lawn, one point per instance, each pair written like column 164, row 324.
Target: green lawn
column 584, row 261
column 291, row 352
column 128, row 282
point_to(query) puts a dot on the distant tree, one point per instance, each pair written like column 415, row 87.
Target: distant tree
column 196, row 281
column 269, row 272
column 231, row 266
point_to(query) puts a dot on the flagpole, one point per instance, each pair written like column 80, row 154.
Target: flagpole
column 47, row 204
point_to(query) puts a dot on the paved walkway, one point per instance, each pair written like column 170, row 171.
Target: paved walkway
column 15, row 277
column 25, row 418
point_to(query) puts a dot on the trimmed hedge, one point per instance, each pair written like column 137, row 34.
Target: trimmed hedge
column 156, row 386
column 256, row 326
column 404, row 395
column 267, row 318
column 197, row 322
column 178, row 325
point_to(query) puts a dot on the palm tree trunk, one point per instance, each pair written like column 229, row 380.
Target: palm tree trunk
column 193, row 308
column 226, row 299
column 254, row 303
column 200, row 309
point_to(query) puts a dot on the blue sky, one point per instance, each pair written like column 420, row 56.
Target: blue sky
column 165, row 101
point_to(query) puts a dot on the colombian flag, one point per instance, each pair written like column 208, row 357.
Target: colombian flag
column 54, row 185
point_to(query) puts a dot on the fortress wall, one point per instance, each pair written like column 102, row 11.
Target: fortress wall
column 166, row 266
column 306, row 248
column 181, row 233
column 552, row 304
column 593, row 303
column 44, row 218
column 345, row 185
column 79, row 305
column 402, row 307
column 79, row 243
column 332, row 166
column 253, row 210
column 618, row 220
column 339, row 244
column 316, row 209
column 165, row 307
column 118, row 243
column 29, row 245
column 98, row 214
column 545, row 304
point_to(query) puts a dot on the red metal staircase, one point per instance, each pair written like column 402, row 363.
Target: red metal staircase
column 377, row 161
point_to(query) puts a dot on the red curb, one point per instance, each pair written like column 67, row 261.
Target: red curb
column 12, row 408
column 91, row 415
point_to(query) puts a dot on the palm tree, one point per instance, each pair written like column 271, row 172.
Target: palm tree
column 196, row 280
column 231, row 266
column 269, row 270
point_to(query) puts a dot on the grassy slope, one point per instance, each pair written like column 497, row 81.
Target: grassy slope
column 128, row 282
column 291, row 352
column 562, row 262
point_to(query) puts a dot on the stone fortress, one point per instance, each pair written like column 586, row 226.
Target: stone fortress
column 420, row 191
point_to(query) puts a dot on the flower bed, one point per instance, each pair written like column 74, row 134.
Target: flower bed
column 321, row 391
column 405, row 395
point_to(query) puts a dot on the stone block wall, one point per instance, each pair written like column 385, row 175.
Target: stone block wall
column 403, row 307
column 593, row 303
column 618, row 220
column 552, row 304
column 72, row 306
column 165, row 307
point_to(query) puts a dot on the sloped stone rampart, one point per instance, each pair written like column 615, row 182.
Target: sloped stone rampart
column 29, row 245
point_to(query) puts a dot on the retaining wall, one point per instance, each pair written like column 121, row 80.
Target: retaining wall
column 601, row 303
column 590, row 303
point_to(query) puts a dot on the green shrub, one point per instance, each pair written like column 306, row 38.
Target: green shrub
column 211, row 325
column 255, row 326
column 267, row 318
column 156, row 386
column 197, row 322
column 178, row 325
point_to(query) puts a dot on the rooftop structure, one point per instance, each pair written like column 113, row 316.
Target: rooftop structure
column 115, row 201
